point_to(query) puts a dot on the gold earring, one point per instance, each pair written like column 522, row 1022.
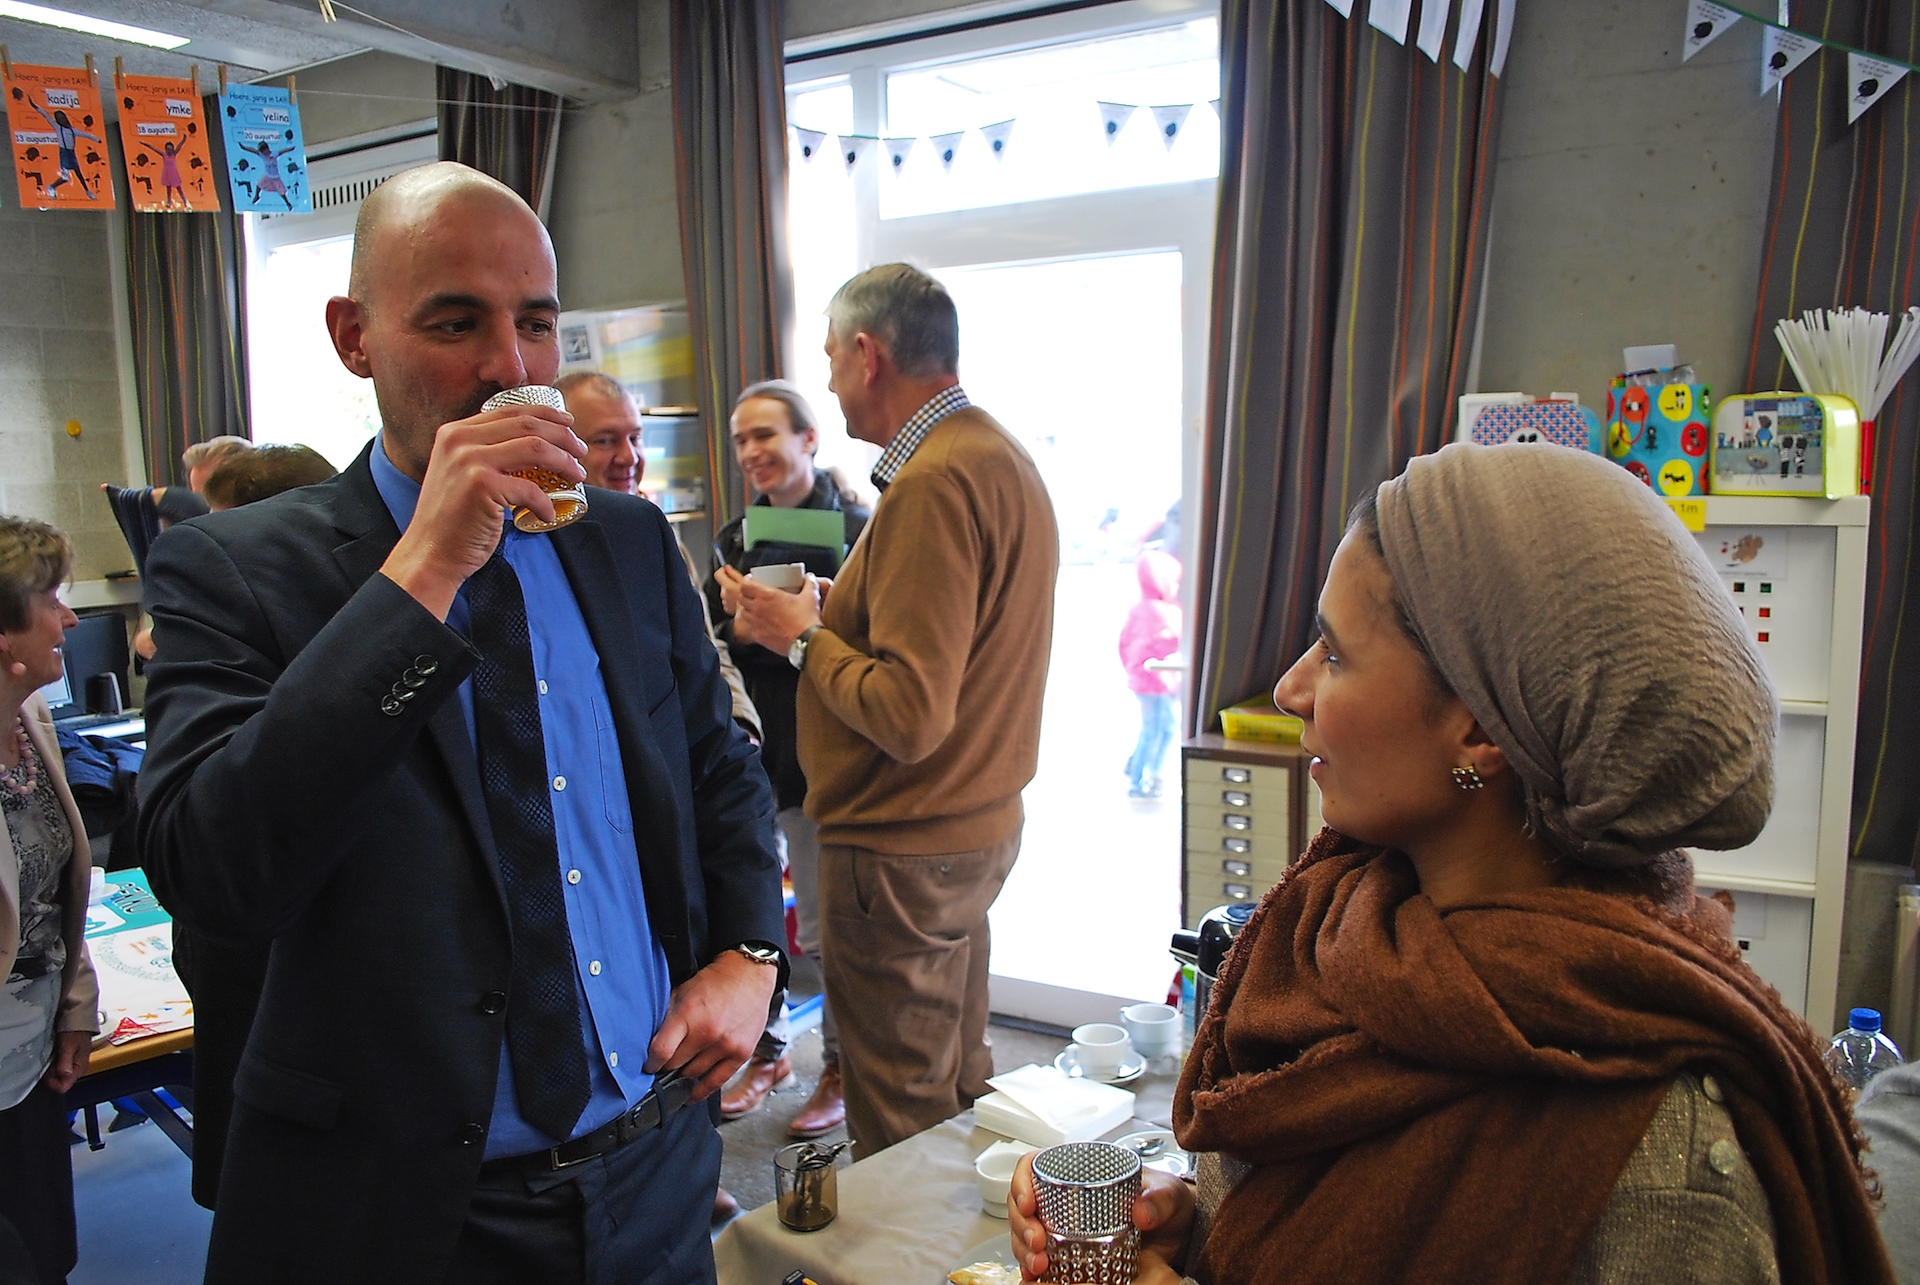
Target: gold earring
column 1468, row 778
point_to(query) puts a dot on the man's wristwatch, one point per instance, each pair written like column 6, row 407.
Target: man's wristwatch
column 797, row 653
column 759, row 954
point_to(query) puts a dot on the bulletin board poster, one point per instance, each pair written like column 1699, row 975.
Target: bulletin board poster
column 266, row 155
column 59, row 154
column 164, row 139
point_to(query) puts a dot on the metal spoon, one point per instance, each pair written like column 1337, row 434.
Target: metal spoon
column 1147, row 1148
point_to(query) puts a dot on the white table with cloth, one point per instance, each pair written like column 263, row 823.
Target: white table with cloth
column 908, row 1215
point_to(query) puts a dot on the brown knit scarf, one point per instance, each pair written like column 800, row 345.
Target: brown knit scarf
column 1451, row 1097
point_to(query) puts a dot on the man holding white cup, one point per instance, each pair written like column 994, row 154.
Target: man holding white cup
column 922, row 673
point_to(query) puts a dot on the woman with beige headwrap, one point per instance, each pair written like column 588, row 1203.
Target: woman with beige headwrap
column 1485, row 1031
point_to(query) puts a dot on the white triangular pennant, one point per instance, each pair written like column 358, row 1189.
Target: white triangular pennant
column 997, row 135
column 1433, row 27
column 1868, row 80
column 1780, row 52
column 852, row 148
column 1705, row 22
column 1502, row 40
column 1342, row 7
column 1390, row 17
column 946, row 147
column 1469, row 35
column 1215, row 104
column 1168, row 121
column 898, row 149
column 811, row 141
column 1114, row 118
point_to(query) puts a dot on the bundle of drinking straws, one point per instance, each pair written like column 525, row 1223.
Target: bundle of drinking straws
column 1845, row 351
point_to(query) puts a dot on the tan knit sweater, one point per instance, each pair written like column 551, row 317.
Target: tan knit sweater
column 919, row 707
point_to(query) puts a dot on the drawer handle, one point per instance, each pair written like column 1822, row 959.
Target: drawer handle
column 1235, row 821
column 1237, row 891
column 1236, row 798
column 1236, row 775
column 1238, row 869
column 1241, row 846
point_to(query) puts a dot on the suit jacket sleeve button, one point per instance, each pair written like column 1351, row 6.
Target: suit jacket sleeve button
column 493, row 1002
column 425, row 664
column 472, row 1135
column 392, row 705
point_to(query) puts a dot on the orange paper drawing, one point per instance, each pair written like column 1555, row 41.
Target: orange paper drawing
column 163, row 133
column 59, row 154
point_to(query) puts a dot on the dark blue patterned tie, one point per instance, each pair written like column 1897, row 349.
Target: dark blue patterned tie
column 544, row 1038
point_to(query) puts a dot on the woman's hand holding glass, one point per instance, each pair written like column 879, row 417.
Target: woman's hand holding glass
column 1163, row 1213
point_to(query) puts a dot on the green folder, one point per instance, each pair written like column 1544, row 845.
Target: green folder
column 821, row 528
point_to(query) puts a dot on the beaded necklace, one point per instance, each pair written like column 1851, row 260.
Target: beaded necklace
column 21, row 778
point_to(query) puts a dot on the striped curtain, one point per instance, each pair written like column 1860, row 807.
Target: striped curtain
column 1843, row 229
column 510, row 132
column 730, row 160
column 1348, row 263
column 186, row 287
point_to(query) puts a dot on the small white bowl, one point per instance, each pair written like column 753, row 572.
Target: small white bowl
column 993, row 1175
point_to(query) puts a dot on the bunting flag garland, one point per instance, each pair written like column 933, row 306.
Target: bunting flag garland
column 1868, row 79
column 1705, row 22
column 946, row 147
column 1783, row 50
column 266, row 156
column 1169, row 120
column 1114, row 118
column 898, row 149
column 811, row 140
column 997, row 135
column 164, row 140
column 1390, row 18
column 1469, row 34
column 1342, row 7
column 853, row 147
column 1433, row 27
column 59, row 148
column 1780, row 52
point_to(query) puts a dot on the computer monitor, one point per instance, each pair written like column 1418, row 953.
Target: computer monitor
column 96, row 644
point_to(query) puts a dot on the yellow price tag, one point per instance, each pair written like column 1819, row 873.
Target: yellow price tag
column 1692, row 512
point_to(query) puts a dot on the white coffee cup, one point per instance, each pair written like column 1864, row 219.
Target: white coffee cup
column 1102, row 1046
column 992, row 1176
column 791, row 576
column 1154, row 1028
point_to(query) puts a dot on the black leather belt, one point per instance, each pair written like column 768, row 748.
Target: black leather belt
column 670, row 1092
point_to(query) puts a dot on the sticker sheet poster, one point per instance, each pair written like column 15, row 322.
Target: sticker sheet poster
column 59, row 154
column 164, row 137
column 266, row 155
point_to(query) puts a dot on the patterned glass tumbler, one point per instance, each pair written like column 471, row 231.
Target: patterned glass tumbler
column 1086, row 1192
column 569, row 498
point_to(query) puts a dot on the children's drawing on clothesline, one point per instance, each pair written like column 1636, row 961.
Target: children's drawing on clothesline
column 164, row 137
column 53, row 115
column 266, row 156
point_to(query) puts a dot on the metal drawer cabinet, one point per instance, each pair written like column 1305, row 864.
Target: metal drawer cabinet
column 1245, row 807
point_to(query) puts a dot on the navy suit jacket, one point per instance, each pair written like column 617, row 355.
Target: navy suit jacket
column 280, row 803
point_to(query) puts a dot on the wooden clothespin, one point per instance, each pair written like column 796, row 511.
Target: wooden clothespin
column 223, row 79
column 290, row 96
column 193, row 74
column 6, row 62
column 119, row 73
column 93, row 76
column 326, row 11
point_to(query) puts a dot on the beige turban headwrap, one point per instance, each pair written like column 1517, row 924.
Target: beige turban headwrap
column 1586, row 631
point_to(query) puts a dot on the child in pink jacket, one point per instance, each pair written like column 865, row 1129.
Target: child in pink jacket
column 1152, row 632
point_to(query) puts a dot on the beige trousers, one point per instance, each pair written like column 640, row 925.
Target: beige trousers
column 904, row 945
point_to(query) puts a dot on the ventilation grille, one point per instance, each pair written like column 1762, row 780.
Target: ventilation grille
column 345, row 192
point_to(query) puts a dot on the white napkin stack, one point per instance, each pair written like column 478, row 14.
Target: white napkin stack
column 1041, row 1105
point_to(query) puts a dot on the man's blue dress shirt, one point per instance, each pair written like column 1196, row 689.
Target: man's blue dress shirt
column 619, row 967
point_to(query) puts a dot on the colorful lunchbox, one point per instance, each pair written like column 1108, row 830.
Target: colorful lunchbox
column 1658, row 431
column 1787, row 444
column 1561, row 423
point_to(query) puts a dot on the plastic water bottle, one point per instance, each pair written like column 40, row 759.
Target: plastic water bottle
column 1861, row 1052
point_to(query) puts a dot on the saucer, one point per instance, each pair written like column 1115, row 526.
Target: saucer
column 1131, row 1067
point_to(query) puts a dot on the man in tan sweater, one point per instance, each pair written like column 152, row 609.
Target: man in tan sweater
column 919, row 705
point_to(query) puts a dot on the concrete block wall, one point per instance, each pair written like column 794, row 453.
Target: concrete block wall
column 59, row 362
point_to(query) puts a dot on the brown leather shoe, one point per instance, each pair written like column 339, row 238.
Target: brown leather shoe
column 756, row 1081
column 725, row 1207
column 826, row 1110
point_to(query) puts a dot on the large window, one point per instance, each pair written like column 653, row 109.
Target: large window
column 295, row 263
column 1077, row 257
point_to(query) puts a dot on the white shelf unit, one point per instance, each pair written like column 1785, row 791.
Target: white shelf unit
column 1800, row 579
